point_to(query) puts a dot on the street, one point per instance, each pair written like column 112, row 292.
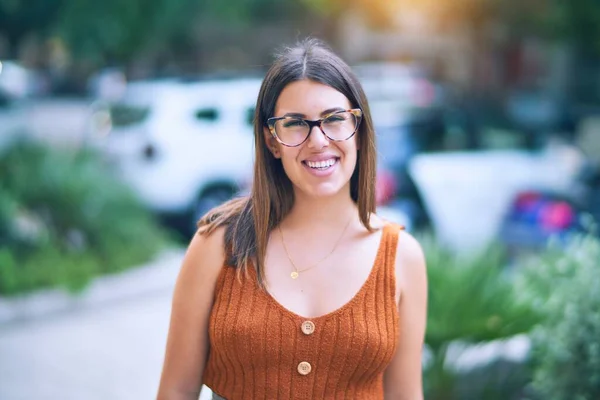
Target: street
column 111, row 352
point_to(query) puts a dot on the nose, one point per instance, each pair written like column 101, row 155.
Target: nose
column 317, row 140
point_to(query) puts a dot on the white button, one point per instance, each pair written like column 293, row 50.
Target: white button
column 304, row 368
column 308, row 327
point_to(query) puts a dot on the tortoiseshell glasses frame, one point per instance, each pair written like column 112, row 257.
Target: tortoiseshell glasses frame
column 306, row 125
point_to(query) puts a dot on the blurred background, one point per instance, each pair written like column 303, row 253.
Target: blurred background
column 122, row 122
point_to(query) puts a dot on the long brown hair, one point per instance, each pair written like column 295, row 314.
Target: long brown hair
column 250, row 220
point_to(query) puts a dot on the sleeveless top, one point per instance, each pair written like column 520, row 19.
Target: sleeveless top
column 261, row 350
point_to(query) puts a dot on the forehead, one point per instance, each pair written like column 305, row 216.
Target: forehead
column 309, row 98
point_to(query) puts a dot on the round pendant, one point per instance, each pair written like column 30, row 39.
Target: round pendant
column 294, row 275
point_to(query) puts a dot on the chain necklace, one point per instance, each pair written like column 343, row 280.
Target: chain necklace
column 296, row 272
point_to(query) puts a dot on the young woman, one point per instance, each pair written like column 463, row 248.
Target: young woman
column 300, row 291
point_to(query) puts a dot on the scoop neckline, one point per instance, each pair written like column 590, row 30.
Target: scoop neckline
column 374, row 267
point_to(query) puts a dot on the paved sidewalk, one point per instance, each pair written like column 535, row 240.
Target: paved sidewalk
column 107, row 344
column 113, row 352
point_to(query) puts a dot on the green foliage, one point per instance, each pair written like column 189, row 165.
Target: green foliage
column 472, row 301
column 118, row 31
column 576, row 21
column 564, row 285
column 90, row 28
column 19, row 18
column 64, row 219
column 122, row 29
column 472, row 298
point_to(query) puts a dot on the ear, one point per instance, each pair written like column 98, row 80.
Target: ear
column 272, row 143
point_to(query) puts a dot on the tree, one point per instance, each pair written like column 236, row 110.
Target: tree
column 116, row 30
column 20, row 19
column 91, row 28
column 576, row 22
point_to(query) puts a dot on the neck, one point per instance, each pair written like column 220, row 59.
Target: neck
column 321, row 213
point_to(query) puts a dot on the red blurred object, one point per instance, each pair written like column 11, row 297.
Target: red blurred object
column 527, row 199
column 557, row 215
column 385, row 187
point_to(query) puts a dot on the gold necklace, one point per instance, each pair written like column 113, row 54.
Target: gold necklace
column 296, row 272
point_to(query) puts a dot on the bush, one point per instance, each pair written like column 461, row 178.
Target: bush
column 471, row 301
column 65, row 218
column 564, row 285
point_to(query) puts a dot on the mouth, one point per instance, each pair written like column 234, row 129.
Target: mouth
column 321, row 165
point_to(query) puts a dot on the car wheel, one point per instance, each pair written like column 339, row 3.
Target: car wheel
column 210, row 199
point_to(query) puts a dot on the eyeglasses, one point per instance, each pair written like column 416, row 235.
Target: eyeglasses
column 336, row 126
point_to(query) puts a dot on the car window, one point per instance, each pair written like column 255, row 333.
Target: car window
column 5, row 101
column 123, row 115
column 250, row 116
column 207, row 114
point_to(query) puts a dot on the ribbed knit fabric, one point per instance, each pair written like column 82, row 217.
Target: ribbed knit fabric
column 257, row 344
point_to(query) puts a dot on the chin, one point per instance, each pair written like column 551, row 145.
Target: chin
column 324, row 190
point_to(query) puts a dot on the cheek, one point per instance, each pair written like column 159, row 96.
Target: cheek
column 351, row 155
column 288, row 158
column 350, row 150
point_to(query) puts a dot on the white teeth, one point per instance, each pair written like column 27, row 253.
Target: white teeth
column 321, row 164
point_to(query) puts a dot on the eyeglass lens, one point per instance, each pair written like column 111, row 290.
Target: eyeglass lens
column 338, row 126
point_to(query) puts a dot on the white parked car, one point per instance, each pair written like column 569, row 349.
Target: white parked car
column 184, row 147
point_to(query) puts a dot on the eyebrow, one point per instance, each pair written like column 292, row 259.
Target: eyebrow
column 323, row 113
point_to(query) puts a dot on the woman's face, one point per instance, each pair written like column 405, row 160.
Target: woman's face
column 318, row 167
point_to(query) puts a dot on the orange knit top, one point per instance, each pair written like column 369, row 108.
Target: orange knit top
column 261, row 350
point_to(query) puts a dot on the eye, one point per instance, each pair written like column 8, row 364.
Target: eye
column 292, row 123
column 335, row 118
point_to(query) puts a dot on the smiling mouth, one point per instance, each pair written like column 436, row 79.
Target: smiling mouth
column 321, row 165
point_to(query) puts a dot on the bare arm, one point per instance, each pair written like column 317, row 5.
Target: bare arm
column 403, row 377
column 188, row 342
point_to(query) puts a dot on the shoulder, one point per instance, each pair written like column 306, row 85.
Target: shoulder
column 409, row 253
column 209, row 244
column 204, row 259
column 410, row 262
column 409, row 250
